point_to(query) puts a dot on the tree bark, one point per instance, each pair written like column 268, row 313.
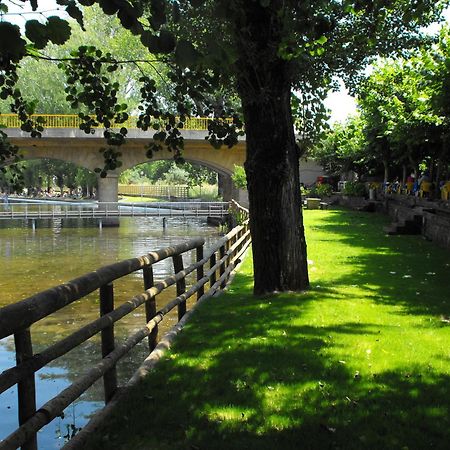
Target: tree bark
column 386, row 171
column 272, row 164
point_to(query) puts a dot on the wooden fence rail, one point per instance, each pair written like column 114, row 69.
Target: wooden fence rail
column 17, row 318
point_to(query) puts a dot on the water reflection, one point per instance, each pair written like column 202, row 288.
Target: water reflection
column 60, row 250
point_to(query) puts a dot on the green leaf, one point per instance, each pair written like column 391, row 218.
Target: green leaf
column 176, row 14
column 127, row 17
column 74, row 12
column 109, row 7
column 167, row 41
column 197, row 3
column 158, row 14
column 58, row 30
column 36, row 32
column 150, row 41
column 185, row 54
column 3, row 8
column 12, row 46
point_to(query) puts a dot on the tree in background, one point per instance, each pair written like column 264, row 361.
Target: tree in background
column 342, row 149
column 156, row 172
column 402, row 118
column 45, row 174
column 260, row 50
column 45, row 84
column 400, row 125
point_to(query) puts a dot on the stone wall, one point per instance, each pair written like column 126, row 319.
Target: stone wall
column 435, row 215
column 437, row 228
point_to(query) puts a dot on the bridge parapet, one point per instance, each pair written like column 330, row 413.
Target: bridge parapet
column 74, row 121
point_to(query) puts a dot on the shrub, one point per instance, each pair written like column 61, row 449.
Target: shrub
column 324, row 190
column 354, row 189
column 239, row 178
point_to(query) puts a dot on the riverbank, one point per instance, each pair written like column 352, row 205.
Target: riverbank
column 361, row 360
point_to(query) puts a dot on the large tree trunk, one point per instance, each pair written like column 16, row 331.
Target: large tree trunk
column 272, row 164
column 276, row 223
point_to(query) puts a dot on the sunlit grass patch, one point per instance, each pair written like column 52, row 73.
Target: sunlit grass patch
column 361, row 360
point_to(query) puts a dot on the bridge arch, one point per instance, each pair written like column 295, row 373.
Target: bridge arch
column 69, row 145
column 226, row 188
column 46, row 175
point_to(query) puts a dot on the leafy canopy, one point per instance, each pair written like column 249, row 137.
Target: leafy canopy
column 203, row 46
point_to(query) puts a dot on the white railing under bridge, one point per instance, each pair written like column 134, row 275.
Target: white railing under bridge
column 101, row 210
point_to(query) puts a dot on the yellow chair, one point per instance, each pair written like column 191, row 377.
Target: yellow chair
column 425, row 188
column 409, row 187
column 445, row 191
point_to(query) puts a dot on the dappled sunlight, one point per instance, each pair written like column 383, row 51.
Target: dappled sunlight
column 398, row 270
column 357, row 361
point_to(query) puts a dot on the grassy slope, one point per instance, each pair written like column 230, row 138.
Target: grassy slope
column 362, row 360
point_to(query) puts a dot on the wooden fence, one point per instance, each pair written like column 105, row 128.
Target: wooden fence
column 212, row 268
column 154, row 190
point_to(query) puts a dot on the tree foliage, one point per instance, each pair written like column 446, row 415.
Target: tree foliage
column 343, row 148
column 403, row 120
column 217, row 51
column 156, row 172
column 239, row 178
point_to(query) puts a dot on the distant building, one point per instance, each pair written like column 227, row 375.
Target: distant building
column 309, row 171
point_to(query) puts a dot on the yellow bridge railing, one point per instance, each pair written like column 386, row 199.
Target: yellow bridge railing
column 73, row 121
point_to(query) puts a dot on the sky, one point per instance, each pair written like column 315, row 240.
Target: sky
column 340, row 103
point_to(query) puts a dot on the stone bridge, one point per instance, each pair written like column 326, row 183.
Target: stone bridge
column 63, row 140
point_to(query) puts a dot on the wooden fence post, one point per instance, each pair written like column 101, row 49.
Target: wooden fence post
column 150, row 307
column 26, row 389
column 200, row 271
column 107, row 334
column 181, row 284
column 212, row 263
column 222, row 252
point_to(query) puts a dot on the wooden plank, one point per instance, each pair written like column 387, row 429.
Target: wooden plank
column 10, row 376
column 107, row 335
column 26, row 389
column 22, row 314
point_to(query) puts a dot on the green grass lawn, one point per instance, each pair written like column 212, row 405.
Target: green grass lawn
column 360, row 361
column 139, row 199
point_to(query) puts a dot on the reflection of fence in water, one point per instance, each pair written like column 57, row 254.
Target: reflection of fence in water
column 211, row 270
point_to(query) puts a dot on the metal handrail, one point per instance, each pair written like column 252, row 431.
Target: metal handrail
column 24, row 210
column 74, row 121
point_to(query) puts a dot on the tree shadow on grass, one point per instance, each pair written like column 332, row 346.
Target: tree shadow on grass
column 276, row 372
column 405, row 271
column 247, row 373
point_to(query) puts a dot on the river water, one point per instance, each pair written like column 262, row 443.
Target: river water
column 57, row 251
